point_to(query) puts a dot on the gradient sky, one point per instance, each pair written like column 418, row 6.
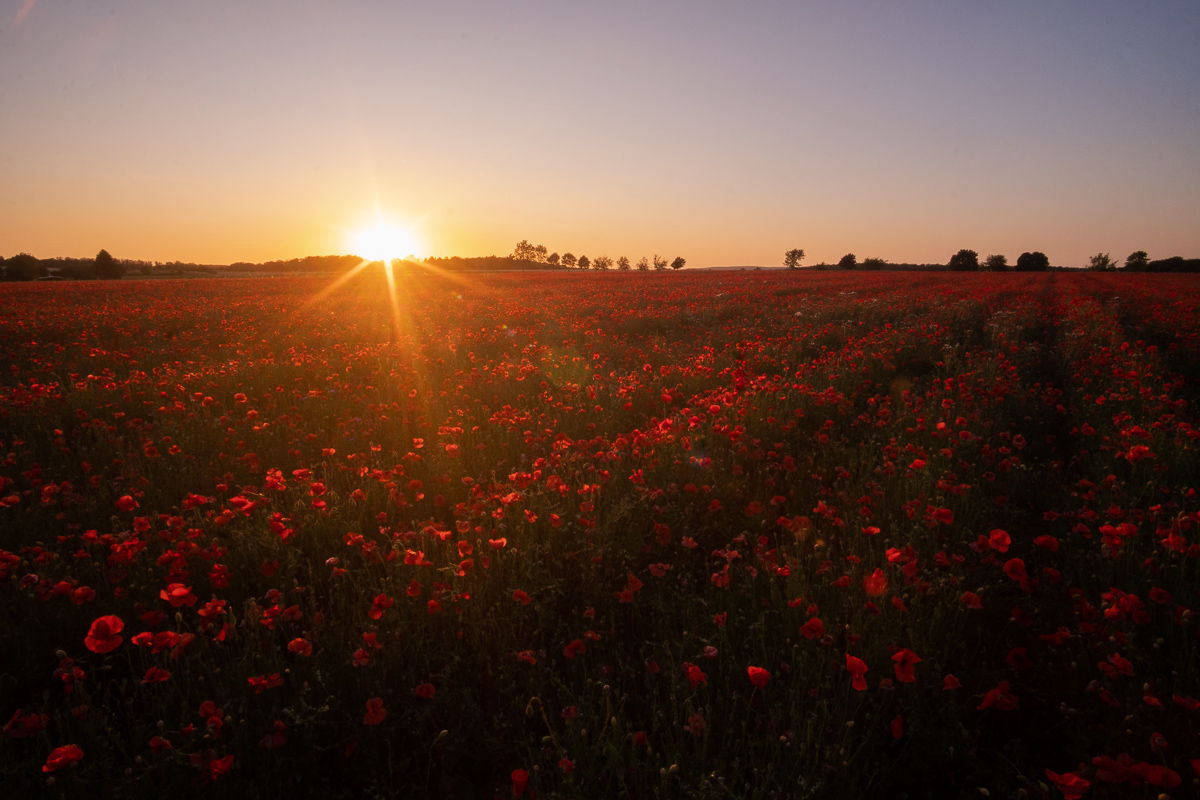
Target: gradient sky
column 725, row 132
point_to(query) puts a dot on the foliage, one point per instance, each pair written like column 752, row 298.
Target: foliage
column 568, row 260
column 108, row 268
column 873, row 263
column 1102, row 262
column 643, row 264
column 678, row 263
column 23, row 267
column 996, row 262
column 580, row 536
column 306, row 264
column 848, row 261
column 1137, row 261
column 602, row 263
column 964, row 260
column 623, row 264
column 659, row 263
column 793, row 257
column 584, row 262
column 1033, row 262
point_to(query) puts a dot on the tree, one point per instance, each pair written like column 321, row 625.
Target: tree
column 849, row 261
column 524, row 251
column 568, row 259
column 792, row 258
column 964, row 261
column 1102, row 262
column 108, row 268
column 659, row 263
column 602, row 263
column 1137, row 261
column 23, row 267
column 584, row 262
column 1033, row 262
column 552, row 259
column 539, row 253
column 678, row 262
column 643, row 264
column 623, row 263
column 873, row 263
column 996, row 263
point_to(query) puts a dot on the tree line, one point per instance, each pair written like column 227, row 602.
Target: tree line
column 537, row 253
column 1035, row 261
column 24, row 267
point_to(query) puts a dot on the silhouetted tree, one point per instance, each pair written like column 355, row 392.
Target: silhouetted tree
column 568, row 259
column 602, row 263
column 23, row 267
column 524, row 251
column 678, row 262
column 996, row 263
column 552, row 259
column 643, row 264
column 1137, row 261
column 1033, row 262
column 584, row 262
column 659, row 263
column 623, row 263
column 108, row 268
column 848, row 261
column 1102, row 262
column 792, row 258
column 539, row 253
column 964, row 261
column 873, row 263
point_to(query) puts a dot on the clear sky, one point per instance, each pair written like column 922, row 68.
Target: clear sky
column 725, row 132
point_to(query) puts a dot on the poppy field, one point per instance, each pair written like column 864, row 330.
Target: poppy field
column 694, row 535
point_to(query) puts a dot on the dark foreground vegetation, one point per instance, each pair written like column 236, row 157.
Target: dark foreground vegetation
column 680, row 536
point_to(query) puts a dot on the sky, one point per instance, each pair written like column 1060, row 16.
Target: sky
column 723, row 132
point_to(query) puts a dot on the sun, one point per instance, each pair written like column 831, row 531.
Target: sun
column 384, row 242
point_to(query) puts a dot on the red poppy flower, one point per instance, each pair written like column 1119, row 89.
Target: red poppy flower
column 219, row 766
column 177, row 595
column 758, row 676
column 813, row 629
column 904, row 665
column 574, row 648
column 425, row 690
column 999, row 697
column 276, row 737
column 950, row 682
column 375, row 711
column 999, row 540
column 381, row 604
column 61, row 757
column 521, row 597
column 520, row 779
column 102, row 636
column 971, row 600
column 857, row 668
column 896, row 727
column 875, row 583
column 1071, row 785
column 155, row 675
column 1015, row 569
column 126, row 503
column 300, row 647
